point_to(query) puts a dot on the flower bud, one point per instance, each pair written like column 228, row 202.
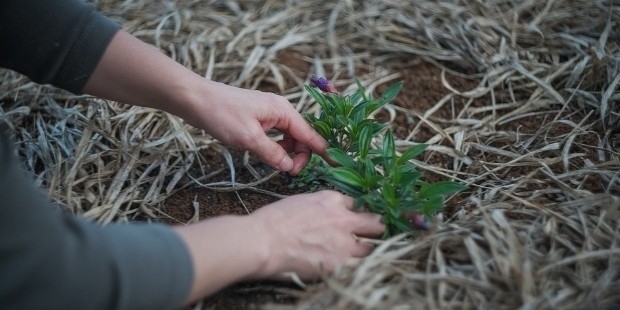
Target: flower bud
column 324, row 84
column 418, row 222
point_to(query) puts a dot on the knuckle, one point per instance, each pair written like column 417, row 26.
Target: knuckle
column 249, row 139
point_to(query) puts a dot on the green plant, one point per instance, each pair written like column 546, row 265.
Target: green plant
column 381, row 180
column 310, row 176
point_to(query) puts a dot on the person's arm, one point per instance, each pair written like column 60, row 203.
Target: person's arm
column 135, row 73
column 292, row 235
column 306, row 234
column 55, row 42
column 53, row 260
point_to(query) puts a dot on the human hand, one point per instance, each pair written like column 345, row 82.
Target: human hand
column 135, row 73
column 240, row 117
column 308, row 233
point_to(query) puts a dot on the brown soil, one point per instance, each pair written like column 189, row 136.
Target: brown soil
column 423, row 88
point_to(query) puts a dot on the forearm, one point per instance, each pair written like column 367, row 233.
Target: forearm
column 224, row 250
column 52, row 260
column 135, row 73
column 57, row 42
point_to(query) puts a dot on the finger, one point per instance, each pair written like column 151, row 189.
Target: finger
column 299, row 162
column 347, row 201
column 369, row 225
column 288, row 144
column 302, row 153
column 301, row 158
column 272, row 153
column 361, row 248
column 298, row 129
column 332, row 198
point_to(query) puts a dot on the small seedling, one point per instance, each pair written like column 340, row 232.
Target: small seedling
column 378, row 178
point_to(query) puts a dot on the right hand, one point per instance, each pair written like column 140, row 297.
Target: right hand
column 310, row 233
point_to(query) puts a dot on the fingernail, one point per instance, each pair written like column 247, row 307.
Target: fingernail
column 286, row 164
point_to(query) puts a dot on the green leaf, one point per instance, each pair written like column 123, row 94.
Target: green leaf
column 412, row 152
column 375, row 127
column 318, row 96
column 323, row 129
column 402, row 225
column 391, row 92
column 406, row 167
column 408, row 179
column 353, row 191
column 388, row 145
column 373, row 203
column 337, row 103
column 394, row 212
column 356, row 98
column 372, row 182
column 440, row 189
column 364, row 108
column 341, row 157
column 347, row 175
column 367, row 166
column 364, row 140
column 310, row 118
column 388, row 95
column 361, row 89
column 432, row 206
column 388, row 151
column 389, row 194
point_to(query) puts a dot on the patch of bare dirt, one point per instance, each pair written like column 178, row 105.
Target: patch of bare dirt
column 422, row 90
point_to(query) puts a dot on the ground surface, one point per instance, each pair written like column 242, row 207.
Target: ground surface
column 423, row 88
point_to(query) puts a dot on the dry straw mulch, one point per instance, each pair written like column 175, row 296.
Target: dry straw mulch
column 539, row 227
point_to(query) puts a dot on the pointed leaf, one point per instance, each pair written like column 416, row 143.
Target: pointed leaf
column 337, row 103
column 353, row 191
column 440, row 189
column 372, row 182
column 372, row 106
column 412, row 152
column 364, row 141
column 388, row 145
column 432, row 206
column 356, row 98
column 347, row 175
column 389, row 194
column 361, row 89
column 341, row 157
column 401, row 225
column 323, row 129
column 408, row 180
column 368, row 167
column 318, row 96
column 364, row 108
column 310, row 118
column 388, row 151
column 391, row 92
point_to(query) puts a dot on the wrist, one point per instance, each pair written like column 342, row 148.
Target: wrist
column 224, row 250
column 258, row 248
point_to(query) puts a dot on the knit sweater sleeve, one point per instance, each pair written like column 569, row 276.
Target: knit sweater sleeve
column 55, row 42
column 53, row 260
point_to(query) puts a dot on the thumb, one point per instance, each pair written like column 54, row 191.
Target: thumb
column 273, row 154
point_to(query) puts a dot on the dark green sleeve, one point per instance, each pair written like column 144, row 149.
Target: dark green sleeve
column 55, row 42
column 53, row 260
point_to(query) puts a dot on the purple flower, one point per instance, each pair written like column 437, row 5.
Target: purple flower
column 324, row 84
column 418, row 222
